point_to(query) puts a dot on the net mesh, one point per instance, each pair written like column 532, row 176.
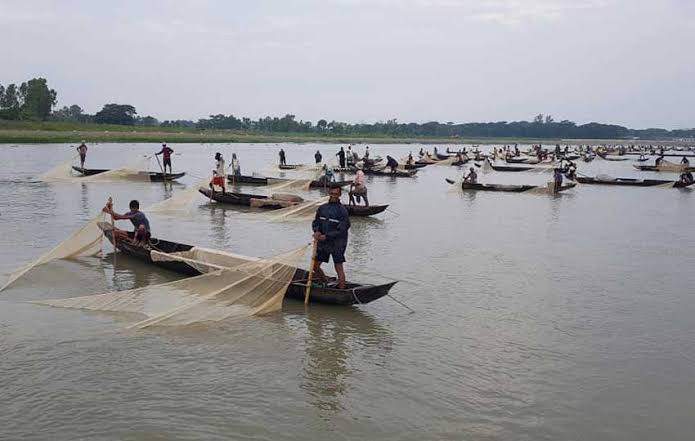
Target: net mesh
column 180, row 202
column 245, row 287
column 86, row 241
column 299, row 212
column 132, row 172
column 292, row 184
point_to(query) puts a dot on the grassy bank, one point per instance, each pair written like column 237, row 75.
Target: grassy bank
column 44, row 132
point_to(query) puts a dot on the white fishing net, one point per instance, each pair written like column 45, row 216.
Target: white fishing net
column 86, row 241
column 179, row 202
column 299, row 212
column 246, row 287
column 133, row 172
column 291, row 184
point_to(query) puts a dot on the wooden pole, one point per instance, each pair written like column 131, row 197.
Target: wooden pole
column 307, row 291
column 113, row 226
column 164, row 174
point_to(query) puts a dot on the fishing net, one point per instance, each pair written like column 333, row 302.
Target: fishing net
column 179, row 202
column 84, row 242
column 61, row 172
column 292, row 184
column 246, row 287
column 302, row 211
column 133, row 172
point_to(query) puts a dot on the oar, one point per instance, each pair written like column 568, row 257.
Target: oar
column 307, row 291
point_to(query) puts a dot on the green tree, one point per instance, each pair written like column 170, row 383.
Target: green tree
column 37, row 100
column 9, row 103
column 123, row 114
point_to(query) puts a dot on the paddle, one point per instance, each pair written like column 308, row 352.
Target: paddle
column 307, row 291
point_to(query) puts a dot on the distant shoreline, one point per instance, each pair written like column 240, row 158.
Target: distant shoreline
column 27, row 132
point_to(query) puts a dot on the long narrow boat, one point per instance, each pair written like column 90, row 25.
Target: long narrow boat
column 612, row 157
column 668, row 167
column 354, row 293
column 508, row 188
column 154, row 176
column 508, row 168
column 630, row 182
column 289, row 166
column 256, row 180
column 378, row 172
column 268, row 203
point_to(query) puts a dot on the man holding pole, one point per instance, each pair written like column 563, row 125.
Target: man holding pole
column 330, row 226
column 166, row 157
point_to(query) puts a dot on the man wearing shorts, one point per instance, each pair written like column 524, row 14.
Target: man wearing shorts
column 330, row 226
column 141, row 234
column 218, row 175
column 166, row 157
column 82, row 150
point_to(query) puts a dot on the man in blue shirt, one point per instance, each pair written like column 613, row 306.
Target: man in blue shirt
column 141, row 235
column 330, row 226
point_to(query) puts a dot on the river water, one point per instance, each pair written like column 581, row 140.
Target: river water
column 566, row 317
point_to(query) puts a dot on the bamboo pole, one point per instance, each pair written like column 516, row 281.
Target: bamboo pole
column 307, row 291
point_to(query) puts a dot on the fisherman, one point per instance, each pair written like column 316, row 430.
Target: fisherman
column 659, row 160
column 366, row 153
column 349, row 158
column 341, row 157
column 358, row 190
column 436, row 152
column 471, row 177
column 283, row 159
column 236, row 166
column 218, row 175
column 687, row 178
column 516, row 150
column 327, row 175
column 409, row 161
column 685, row 161
column 166, row 157
column 392, row 163
column 141, row 234
column 330, row 226
column 82, row 150
column 318, row 157
column 422, row 152
column 557, row 178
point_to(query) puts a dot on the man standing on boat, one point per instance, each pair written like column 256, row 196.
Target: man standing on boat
column 341, row 157
column 318, row 157
column 82, row 150
column 283, row 160
column 218, row 175
column 330, row 226
column 166, row 157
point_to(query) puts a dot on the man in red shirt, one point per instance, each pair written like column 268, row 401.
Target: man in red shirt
column 166, row 156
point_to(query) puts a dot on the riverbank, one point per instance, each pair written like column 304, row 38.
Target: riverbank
column 45, row 132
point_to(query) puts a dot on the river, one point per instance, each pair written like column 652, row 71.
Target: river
column 556, row 317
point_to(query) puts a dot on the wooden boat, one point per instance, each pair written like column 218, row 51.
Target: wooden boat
column 612, row 158
column 642, row 159
column 442, row 157
column 630, row 182
column 414, row 166
column 256, row 180
column 154, row 176
column 507, row 168
column 354, row 293
column 665, row 167
column 395, row 174
column 289, row 166
column 508, row 188
column 268, row 203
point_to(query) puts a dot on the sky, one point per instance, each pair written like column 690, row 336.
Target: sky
column 627, row 62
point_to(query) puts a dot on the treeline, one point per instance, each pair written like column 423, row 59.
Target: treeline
column 34, row 100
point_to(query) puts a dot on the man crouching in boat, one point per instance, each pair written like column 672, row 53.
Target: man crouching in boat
column 141, row 235
column 330, row 226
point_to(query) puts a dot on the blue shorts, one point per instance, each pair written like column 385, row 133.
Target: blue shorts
column 331, row 248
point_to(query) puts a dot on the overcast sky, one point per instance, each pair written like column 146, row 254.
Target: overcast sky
column 629, row 62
